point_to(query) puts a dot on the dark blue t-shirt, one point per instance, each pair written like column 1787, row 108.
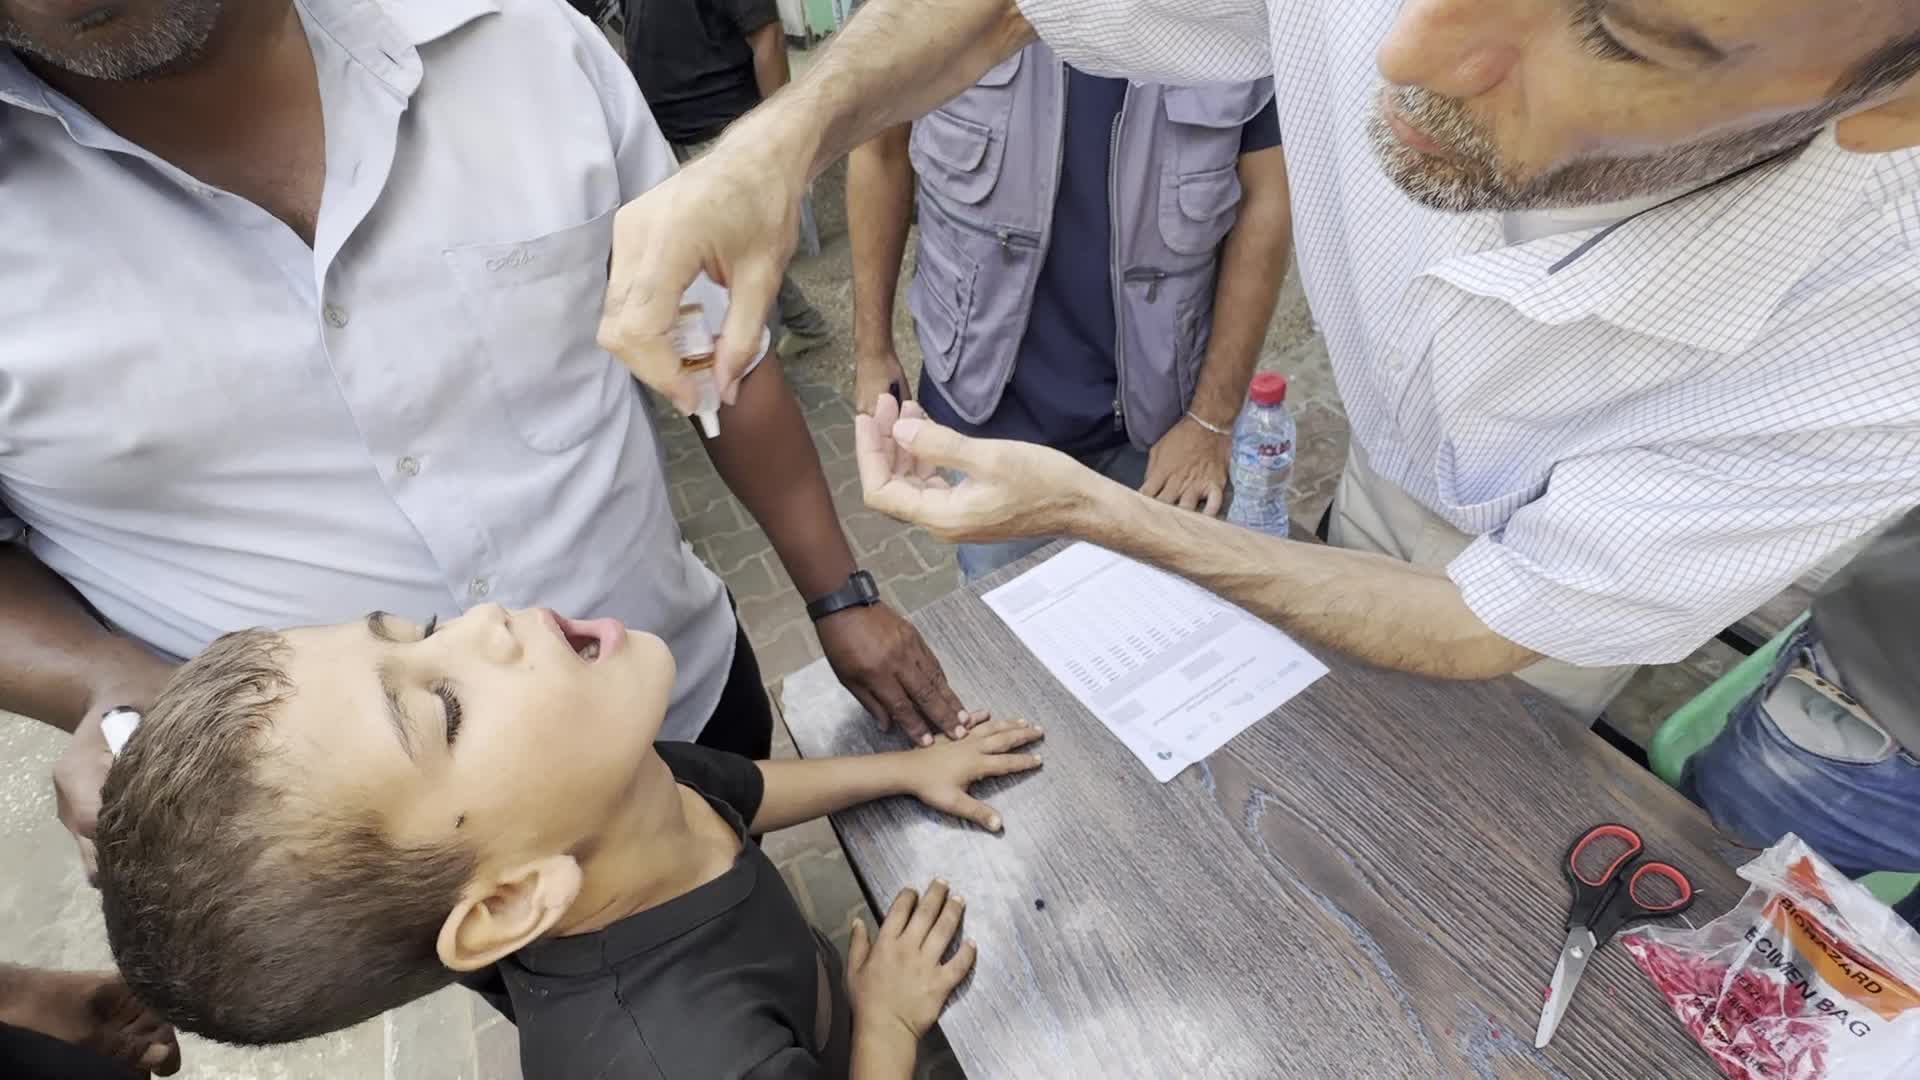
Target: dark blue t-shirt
column 1064, row 378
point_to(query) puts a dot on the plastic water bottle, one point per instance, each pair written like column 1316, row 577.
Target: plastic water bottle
column 1262, row 457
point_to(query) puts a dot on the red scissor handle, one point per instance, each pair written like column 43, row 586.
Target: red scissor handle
column 1654, row 890
column 1643, row 896
column 1603, row 850
column 1598, row 835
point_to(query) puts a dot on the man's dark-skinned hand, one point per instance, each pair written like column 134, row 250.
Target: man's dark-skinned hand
column 884, row 662
column 766, row 457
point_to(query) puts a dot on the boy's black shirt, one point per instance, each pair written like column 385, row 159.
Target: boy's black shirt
column 726, row 981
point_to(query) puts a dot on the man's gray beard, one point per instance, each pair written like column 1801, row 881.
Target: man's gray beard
column 1474, row 180
column 173, row 39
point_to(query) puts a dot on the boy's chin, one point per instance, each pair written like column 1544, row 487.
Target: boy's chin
column 647, row 658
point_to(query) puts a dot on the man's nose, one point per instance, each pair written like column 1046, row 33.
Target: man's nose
column 1458, row 49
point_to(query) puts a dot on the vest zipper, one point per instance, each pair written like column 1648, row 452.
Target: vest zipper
column 1113, row 261
column 1153, row 278
column 1044, row 241
column 1010, row 240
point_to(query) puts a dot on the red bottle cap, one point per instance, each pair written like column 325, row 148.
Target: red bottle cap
column 1268, row 388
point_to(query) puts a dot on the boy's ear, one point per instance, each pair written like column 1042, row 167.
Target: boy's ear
column 512, row 910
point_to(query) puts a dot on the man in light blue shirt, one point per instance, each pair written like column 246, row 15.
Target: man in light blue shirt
column 297, row 314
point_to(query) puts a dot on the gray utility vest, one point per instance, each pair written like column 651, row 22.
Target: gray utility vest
column 989, row 165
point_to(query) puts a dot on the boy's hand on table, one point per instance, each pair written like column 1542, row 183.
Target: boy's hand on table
column 939, row 775
column 900, row 981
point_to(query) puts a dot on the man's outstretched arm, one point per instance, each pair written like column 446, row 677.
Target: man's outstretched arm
column 1378, row 609
column 1384, row 611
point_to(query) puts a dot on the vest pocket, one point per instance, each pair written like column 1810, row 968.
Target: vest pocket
column 941, row 298
column 1198, row 209
column 955, row 157
column 1207, row 121
column 957, row 149
column 535, row 304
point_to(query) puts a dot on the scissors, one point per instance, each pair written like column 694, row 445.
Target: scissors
column 1609, row 892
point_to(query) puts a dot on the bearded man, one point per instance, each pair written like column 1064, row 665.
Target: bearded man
column 1622, row 298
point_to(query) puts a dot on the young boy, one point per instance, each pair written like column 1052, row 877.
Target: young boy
column 315, row 826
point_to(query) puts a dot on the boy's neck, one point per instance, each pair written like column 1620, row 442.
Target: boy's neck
column 665, row 843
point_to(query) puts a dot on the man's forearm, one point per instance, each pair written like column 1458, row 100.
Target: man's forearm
column 892, row 62
column 55, row 658
column 770, row 71
column 800, row 791
column 1253, row 266
column 879, row 211
column 1386, row 612
column 767, row 459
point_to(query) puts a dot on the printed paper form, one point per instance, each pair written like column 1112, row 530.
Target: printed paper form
column 1170, row 669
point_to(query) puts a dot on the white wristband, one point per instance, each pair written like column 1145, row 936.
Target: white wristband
column 1209, row 427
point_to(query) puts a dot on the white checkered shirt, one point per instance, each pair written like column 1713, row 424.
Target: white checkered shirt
column 1648, row 441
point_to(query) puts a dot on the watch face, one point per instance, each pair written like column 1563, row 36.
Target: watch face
column 117, row 725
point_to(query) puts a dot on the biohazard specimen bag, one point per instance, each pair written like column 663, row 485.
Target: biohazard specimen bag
column 1809, row 977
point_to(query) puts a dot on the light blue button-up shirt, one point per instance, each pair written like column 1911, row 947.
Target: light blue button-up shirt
column 207, row 425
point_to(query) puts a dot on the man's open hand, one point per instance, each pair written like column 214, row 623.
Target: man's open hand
column 1010, row 489
column 731, row 214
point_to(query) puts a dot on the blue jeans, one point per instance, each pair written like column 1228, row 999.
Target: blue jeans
column 1125, row 465
column 1791, row 761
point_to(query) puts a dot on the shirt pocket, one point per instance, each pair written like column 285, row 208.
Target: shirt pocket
column 535, row 307
column 958, row 149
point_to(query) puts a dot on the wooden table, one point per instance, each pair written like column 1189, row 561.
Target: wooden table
column 1363, row 885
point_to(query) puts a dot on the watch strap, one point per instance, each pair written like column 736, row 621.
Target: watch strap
column 859, row 591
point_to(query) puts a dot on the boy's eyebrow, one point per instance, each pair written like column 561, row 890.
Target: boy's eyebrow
column 377, row 626
column 397, row 716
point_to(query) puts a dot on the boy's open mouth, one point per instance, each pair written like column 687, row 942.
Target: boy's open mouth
column 592, row 640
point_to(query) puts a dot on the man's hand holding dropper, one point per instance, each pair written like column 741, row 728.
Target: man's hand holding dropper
column 735, row 213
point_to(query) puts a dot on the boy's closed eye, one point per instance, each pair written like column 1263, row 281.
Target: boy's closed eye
column 393, row 686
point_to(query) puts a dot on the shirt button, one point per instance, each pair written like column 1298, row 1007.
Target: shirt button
column 479, row 588
column 336, row 316
column 410, row 466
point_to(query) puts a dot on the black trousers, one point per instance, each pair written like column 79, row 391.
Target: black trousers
column 742, row 723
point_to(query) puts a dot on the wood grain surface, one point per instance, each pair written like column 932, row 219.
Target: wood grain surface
column 1364, row 884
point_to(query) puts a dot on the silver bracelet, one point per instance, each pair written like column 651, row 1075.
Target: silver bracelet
column 1209, row 427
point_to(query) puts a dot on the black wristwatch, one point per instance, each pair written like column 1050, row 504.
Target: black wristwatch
column 859, row 591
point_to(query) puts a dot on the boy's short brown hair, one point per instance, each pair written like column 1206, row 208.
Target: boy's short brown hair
column 235, row 905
